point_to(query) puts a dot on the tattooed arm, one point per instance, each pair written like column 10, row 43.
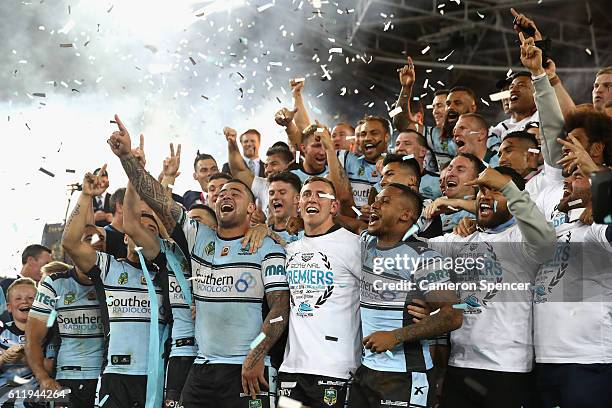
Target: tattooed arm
column 147, row 187
column 253, row 366
column 83, row 255
column 446, row 320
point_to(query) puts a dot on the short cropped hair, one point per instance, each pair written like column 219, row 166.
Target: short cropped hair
column 33, row 251
column 384, row 122
column 117, row 197
column 479, row 166
column 249, row 191
column 286, row 177
column 523, row 135
column 202, row 156
column 410, row 164
column 465, row 89
column 312, row 179
column 283, row 152
column 441, row 92
column 252, row 131
column 21, row 281
column 415, row 198
column 480, row 120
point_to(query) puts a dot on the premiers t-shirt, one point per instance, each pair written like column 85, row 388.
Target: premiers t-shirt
column 324, row 325
column 497, row 325
column 573, row 298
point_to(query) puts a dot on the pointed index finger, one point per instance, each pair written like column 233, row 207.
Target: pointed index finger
column 514, row 12
column 521, row 37
column 178, row 150
column 120, row 124
column 141, row 142
column 171, row 150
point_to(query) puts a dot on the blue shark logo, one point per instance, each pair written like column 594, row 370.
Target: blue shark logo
column 540, row 290
column 305, row 307
column 472, row 301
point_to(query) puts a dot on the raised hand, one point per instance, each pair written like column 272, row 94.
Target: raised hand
column 119, row 141
column 523, row 24
column 531, row 56
column 407, row 75
column 173, row 163
column 284, row 116
column 576, row 157
column 230, row 134
column 324, row 136
column 93, row 185
column 296, row 86
column 490, row 178
column 139, row 152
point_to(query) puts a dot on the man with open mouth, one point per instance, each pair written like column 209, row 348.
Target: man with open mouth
column 324, row 343
column 490, row 351
column 470, row 134
column 521, row 104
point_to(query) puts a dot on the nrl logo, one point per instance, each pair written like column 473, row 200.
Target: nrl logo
column 307, row 257
column 69, row 298
column 123, row 278
column 210, row 248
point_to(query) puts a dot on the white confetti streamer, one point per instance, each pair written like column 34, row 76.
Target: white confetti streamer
column 395, row 111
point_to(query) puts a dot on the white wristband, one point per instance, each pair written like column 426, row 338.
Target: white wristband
column 537, row 77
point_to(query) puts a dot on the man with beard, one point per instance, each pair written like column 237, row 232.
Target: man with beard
column 572, row 306
column 471, row 134
column 324, row 343
column 400, row 374
column 284, row 196
column 313, row 153
column 521, row 105
column 492, row 353
column 231, row 283
column 411, row 142
column 459, row 198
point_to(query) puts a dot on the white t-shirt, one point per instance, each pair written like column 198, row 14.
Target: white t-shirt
column 510, row 125
column 573, row 298
column 323, row 274
column 259, row 187
column 497, row 326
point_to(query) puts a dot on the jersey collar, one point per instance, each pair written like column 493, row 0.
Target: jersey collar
column 500, row 227
column 334, row 228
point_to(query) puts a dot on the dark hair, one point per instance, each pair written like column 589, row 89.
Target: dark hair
column 410, row 164
column 598, row 128
column 441, row 92
column 312, row 179
column 33, row 251
column 465, row 89
column 420, row 138
column 384, row 122
column 249, row 191
column 532, row 125
column 518, row 180
column 202, row 156
column 482, row 122
column 219, row 175
column 522, row 135
column 415, row 198
column 254, row 131
column 286, row 177
column 479, row 166
column 117, row 197
column 281, row 144
column 200, row 206
column 444, row 165
column 283, row 152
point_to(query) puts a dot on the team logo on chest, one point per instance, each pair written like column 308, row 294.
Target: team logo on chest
column 330, row 396
column 361, row 172
column 143, row 280
column 225, row 251
column 69, row 298
column 123, row 278
column 209, row 249
column 91, row 295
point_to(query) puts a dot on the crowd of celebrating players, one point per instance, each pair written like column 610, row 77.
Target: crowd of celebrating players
column 287, row 280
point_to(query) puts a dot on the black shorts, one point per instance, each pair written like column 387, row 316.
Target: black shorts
column 472, row 388
column 82, row 392
column 123, row 391
column 220, row 386
column 313, row 390
column 574, row 385
column 371, row 388
column 178, row 369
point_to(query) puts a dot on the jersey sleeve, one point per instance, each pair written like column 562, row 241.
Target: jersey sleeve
column 273, row 268
column 191, row 228
column 599, row 234
column 45, row 299
column 103, row 262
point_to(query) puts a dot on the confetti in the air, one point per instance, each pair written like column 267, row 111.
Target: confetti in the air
column 532, row 150
column 485, row 102
column 588, row 51
column 276, row 319
column 575, row 202
column 264, row 7
column 325, row 195
column 395, row 112
column 356, row 211
column 424, row 50
column 450, row 67
column 499, row 96
column 408, row 157
column 47, row 172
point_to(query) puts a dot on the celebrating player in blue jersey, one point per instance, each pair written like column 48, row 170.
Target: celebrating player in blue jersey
column 231, row 283
column 394, row 366
column 70, row 298
column 129, row 306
